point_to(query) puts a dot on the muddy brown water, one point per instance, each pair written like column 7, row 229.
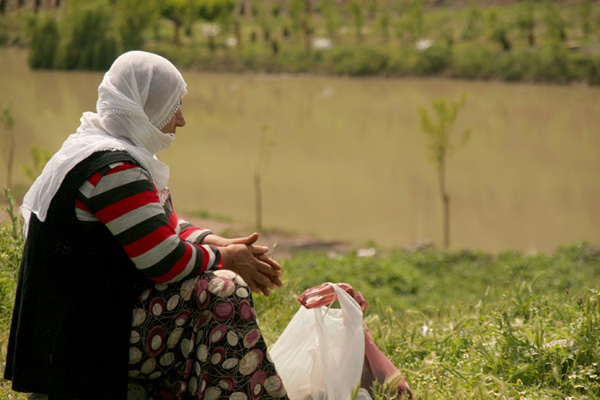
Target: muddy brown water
column 346, row 158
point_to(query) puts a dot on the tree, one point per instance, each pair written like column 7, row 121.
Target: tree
column 383, row 20
column 330, row 12
column 44, row 43
column 133, row 18
column 555, row 24
column 300, row 12
column 87, row 36
column 262, row 165
column 174, row 10
column 474, row 28
column 8, row 122
column 183, row 13
column 499, row 31
column 358, row 18
column 438, row 132
column 526, row 22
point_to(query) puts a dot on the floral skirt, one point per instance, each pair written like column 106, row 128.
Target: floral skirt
column 199, row 339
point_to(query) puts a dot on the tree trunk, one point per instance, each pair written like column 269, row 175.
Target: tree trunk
column 531, row 38
column 258, row 196
column 445, row 204
column 237, row 31
column 306, row 31
column 177, row 37
column 248, row 8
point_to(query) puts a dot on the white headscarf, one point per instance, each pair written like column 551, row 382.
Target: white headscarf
column 138, row 96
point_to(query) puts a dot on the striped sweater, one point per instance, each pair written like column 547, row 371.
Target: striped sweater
column 142, row 220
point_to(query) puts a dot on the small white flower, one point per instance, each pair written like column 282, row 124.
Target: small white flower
column 322, row 43
column 423, row 44
column 231, row 42
column 210, row 30
column 370, row 252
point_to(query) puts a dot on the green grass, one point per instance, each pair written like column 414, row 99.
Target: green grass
column 458, row 324
column 466, row 325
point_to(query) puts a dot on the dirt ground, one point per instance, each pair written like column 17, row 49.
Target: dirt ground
column 280, row 243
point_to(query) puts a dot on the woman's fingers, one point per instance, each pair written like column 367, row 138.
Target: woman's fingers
column 248, row 240
column 266, row 259
column 258, row 250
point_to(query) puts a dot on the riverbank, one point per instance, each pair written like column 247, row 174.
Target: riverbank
column 458, row 324
column 517, row 42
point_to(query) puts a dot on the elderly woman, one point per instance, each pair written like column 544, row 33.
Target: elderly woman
column 113, row 286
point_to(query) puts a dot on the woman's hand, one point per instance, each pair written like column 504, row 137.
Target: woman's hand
column 219, row 241
column 260, row 272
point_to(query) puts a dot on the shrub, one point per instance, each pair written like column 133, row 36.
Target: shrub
column 554, row 62
column 133, row 18
column 88, row 39
column 434, row 60
column 470, row 60
column 403, row 62
column 44, row 42
column 359, row 61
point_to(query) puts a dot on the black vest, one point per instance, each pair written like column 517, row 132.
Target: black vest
column 72, row 319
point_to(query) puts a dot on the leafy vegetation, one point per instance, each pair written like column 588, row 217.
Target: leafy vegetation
column 469, row 325
column 11, row 248
column 531, row 40
column 459, row 324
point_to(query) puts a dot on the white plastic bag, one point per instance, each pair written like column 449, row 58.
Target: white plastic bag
column 320, row 354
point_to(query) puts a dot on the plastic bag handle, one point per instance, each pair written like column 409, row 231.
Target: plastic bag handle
column 323, row 295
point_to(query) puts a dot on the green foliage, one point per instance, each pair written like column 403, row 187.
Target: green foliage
column 499, row 31
column 7, row 118
column 358, row 61
column 11, row 248
column 40, row 158
column 555, row 24
column 332, row 18
column 433, row 60
column 439, row 131
column 215, row 10
column 488, row 44
column 473, row 61
column 358, row 18
column 88, row 40
column 474, row 28
column 133, row 18
column 44, row 42
column 7, row 121
column 526, row 22
column 412, row 23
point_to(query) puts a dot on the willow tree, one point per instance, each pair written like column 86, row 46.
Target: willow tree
column 438, row 130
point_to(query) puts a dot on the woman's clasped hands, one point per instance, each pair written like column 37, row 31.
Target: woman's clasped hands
column 240, row 255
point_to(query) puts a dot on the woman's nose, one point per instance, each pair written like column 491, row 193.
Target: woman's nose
column 180, row 119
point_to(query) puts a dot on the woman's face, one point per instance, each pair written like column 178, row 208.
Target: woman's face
column 177, row 120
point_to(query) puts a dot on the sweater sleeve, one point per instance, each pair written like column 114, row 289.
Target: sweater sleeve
column 192, row 234
column 123, row 198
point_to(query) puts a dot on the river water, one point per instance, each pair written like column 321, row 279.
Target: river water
column 345, row 158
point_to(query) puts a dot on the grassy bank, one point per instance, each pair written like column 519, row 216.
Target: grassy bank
column 535, row 41
column 459, row 324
